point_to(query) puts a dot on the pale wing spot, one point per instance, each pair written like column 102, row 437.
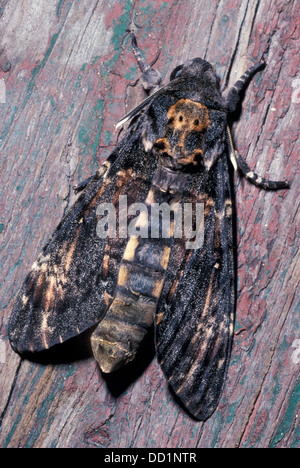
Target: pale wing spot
column 35, row 266
column 228, row 211
column 147, row 144
column 105, row 168
column 228, row 207
column 220, row 215
column 25, row 300
column 44, row 267
column 69, row 256
column 221, row 363
column 122, row 173
column 41, row 263
column 50, row 292
column 45, row 329
column 62, row 279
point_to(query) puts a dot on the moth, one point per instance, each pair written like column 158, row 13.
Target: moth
column 176, row 152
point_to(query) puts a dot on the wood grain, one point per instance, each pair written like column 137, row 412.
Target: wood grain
column 70, row 76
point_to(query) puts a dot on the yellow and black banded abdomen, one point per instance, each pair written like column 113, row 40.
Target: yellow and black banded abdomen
column 141, row 276
column 140, row 281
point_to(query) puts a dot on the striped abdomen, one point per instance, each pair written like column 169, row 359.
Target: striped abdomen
column 141, row 277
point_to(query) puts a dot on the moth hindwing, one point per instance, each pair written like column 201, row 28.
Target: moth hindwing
column 149, row 242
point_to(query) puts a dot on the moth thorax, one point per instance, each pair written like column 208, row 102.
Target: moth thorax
column 187, row 123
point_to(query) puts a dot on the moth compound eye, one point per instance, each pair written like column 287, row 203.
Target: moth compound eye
column 176, row 72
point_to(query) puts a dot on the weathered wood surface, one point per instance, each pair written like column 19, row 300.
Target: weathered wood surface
column 67, row 69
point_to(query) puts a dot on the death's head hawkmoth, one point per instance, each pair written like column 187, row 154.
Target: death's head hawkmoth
column 150, row 242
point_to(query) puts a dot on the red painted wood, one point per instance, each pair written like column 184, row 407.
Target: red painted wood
column 71, row 77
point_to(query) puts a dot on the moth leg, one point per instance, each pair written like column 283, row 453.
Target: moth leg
column 239, row 162
column 259, row 181
column 233, row 97
column 237, row 90
column 232, row 152
column 150, row 77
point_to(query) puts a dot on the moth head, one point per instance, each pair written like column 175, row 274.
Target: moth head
column 197, row 69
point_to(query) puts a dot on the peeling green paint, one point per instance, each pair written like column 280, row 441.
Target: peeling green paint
column 231, row 412
column 108, row 137
column 295, row 443
column 99, row 107
column 83, row 136
column 131, row 73
column 289, row 416
column 93, row 122
column 38, row 68
column 59, row 7
column 120, row 26
column 10, row 434
column 8, row 123
column 45, row 407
